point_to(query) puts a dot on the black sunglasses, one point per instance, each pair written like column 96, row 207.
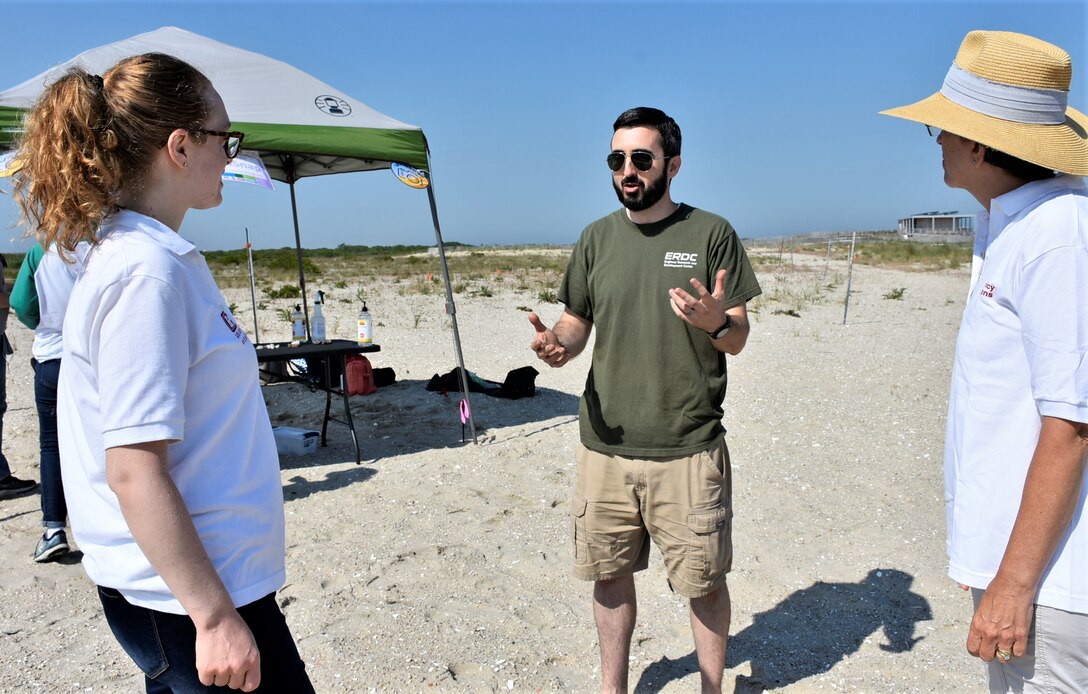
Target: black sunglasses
column 933, row 132
column 231, row 145
column 642, row 160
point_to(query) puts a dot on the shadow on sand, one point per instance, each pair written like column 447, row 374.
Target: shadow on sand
column 810, row 631
column 401, row 419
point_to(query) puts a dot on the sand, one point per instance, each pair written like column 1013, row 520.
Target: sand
column 442, row 565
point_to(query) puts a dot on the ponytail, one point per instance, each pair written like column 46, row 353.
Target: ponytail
column 69, row 176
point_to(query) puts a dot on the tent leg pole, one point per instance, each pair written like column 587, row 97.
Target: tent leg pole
column 298, row 253
column 451, row 310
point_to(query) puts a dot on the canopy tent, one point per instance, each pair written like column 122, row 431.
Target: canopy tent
column 298, row 125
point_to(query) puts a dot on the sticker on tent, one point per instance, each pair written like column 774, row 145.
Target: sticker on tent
column 247, row 167
column 409, row 176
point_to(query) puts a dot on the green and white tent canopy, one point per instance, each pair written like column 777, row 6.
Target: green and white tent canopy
column 299, row 125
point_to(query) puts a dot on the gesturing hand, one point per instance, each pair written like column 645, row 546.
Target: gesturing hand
column 704, row 310
column 546, row 345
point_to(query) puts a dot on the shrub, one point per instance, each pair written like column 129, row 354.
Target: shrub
column 286, row 291
column 896, row 294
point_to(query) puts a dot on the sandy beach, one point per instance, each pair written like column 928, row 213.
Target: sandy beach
column 443, row 565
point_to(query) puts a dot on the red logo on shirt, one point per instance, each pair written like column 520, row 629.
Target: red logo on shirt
column 988, row 290
column 233, row 326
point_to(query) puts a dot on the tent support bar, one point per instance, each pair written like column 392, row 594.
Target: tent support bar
column 289, row 168
column 451, row 309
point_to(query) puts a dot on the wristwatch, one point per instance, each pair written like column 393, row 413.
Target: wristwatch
column 720, row 332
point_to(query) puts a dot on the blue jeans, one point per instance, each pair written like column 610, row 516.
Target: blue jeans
column 163, row 645
column 5, row 469
column 54, row 508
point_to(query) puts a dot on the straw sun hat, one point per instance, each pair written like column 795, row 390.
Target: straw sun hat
column 1010, row 92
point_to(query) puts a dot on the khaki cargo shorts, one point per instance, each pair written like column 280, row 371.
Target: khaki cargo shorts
column 684, row 504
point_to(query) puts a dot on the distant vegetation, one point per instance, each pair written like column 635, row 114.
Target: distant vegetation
column 791, row 287
column 273, row 256
column 892, row 252
column 479, row 271
column 274, row 259
column 474, row 271
column 935, row 256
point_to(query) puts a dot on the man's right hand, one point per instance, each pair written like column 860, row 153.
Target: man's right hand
column 546, row 345
column 227, row 655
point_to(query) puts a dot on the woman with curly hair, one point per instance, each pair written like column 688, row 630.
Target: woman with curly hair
column 168, row 461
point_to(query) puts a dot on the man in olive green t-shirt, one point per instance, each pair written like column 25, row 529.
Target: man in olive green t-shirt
column 653, row 462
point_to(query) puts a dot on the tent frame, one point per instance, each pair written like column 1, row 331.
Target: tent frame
column 287, row 160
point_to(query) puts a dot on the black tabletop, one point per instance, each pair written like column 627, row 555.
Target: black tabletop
column 282, row 351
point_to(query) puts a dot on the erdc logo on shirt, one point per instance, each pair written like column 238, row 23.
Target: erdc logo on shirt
column 234, row 327
column 678, row 259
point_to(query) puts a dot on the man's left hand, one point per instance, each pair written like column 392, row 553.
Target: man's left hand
column 704, row 310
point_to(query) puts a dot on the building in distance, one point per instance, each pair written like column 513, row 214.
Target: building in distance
column 938, row 227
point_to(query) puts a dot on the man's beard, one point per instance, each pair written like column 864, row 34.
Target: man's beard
column 646, row 197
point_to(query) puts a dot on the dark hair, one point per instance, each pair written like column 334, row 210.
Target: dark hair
column 644, row 116
column 88, row 137
column 1019, row 168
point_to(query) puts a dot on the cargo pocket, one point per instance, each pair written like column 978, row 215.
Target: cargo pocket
column 710, row 552
column 578, row 505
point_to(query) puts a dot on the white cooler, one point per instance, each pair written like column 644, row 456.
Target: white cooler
column 292, row 441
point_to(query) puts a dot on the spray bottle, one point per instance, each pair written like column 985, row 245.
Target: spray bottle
column 317, row 319
column 298, row 326
column 366, row 327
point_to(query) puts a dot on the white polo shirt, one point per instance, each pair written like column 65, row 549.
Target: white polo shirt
column 1022, row 353
column 53, row 281
column 152, row 353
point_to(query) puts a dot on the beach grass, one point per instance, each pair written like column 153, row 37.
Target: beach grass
column 480, row 270
column 889, row 251
column 415, row 270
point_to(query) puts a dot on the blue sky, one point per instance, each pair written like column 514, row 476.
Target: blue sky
column 777, row 103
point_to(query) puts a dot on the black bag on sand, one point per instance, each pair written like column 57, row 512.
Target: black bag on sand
column 450, row 382
column 519, row 383
column 384, row 377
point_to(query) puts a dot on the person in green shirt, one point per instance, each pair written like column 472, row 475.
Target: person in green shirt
column 10, row 485
column 665, row 285
column 40, row 299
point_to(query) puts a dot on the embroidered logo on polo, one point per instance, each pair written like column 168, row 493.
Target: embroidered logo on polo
column 233, row 326
column 678, row 259
column 988, row 290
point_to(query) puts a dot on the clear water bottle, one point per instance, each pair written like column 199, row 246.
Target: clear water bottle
column 317, row 319
column 298, row 325
column 366, row 327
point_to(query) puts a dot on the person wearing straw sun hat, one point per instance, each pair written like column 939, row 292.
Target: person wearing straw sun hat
column 1017, row 437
